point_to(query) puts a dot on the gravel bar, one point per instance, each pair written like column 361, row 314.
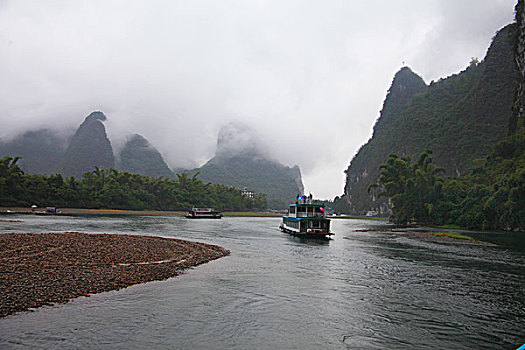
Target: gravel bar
column 39, row 269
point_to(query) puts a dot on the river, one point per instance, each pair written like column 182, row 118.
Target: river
column 361, row 290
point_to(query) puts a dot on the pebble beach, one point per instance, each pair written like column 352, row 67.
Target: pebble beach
column 49, row 268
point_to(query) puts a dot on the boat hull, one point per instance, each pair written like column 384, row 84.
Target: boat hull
column 309, row 235
column 203, row 217
column 203, row 213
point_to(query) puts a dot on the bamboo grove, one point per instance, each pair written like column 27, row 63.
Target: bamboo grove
column 491, row 197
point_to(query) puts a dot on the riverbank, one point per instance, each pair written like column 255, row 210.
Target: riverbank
column 76, row 211
column 44, row 269
column 81, row 211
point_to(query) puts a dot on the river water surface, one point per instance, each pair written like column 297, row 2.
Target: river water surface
column 361, row 290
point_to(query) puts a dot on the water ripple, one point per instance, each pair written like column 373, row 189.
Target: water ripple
column 361, row 290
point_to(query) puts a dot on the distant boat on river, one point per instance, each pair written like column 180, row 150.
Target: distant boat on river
column 47, row 211
column 203, row 213
column 306, row 218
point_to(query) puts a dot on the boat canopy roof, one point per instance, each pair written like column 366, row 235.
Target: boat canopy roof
column 291, row 218
column 202, row 210
column 307, row 205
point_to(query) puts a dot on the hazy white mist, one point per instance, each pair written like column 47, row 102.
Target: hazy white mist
column 309, row 76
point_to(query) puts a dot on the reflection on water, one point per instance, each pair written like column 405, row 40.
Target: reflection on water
column 361, row 290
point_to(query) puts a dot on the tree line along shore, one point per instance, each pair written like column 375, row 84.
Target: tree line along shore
column 85, row 211
column 112, row 189
column 492, row 197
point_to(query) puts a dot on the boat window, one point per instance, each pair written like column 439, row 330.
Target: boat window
column 292, row 210
column 301, row 209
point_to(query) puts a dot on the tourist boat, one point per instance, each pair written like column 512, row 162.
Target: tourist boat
column 203, row 213
column 306, row 218
column 47, row 211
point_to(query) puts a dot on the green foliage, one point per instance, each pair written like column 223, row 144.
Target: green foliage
column 460, row 118
column 492, row 197
column 10, row 179
column 414, row 189
column 111, row 189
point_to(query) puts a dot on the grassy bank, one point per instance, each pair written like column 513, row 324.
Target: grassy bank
column 454, row 235
column 443, row 237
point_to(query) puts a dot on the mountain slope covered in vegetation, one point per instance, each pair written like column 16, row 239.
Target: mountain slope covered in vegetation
column 491, row 196
column 239, row 162
column 89, row 147
column 460, row 118
column 41, row 151
column 139, row 156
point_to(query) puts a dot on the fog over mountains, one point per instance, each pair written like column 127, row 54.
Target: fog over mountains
column 89, row 147
column 139, row 156
column 240, row 159
column 310, row 76
column 461, row 118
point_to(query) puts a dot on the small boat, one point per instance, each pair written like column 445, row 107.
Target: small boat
column 203, row 213
column 47, row 211
column 306, row 218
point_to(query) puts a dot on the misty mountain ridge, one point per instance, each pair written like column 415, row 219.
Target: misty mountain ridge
column 41, row 150
column 139, row 156
column 49, row 152
column 240, row 159
column 460, row 118
column 236, row 139
column 89, row 147
column 241, row 162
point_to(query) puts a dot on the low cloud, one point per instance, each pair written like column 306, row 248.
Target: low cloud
column 309, row 75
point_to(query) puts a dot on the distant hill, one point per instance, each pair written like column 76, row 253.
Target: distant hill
column 240, row 162
column 41, row 151
column 460, row 118
column 88, row 148
column 140, row 157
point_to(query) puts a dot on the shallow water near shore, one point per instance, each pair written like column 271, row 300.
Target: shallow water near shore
column 361, row 290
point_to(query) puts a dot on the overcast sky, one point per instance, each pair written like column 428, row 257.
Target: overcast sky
column 309, row 76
